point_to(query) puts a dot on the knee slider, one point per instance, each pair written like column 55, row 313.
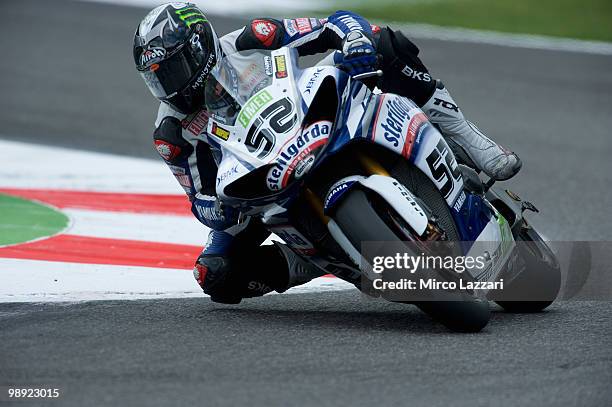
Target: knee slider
column 212, row 274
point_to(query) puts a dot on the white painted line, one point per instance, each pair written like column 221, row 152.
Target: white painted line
column 35, row 166
column 464, row 35
column 40, row 281
column 136, row 226
column 31, row 280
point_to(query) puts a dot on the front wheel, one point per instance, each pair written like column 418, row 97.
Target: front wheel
column 359, row 221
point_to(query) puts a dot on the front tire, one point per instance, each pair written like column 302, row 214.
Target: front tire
column 359, row 221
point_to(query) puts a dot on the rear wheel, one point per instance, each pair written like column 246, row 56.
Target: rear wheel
column 361, row 220
column 541, row 278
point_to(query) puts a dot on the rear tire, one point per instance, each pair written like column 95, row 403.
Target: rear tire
column 360, row 222
column 542, row 273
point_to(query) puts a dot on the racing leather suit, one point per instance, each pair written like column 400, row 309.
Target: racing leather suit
column 233, row 264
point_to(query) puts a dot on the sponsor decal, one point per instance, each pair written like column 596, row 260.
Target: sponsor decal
column 414, row 128
column 303, row 25
column 281, row 66
column 166, row 150
column 205, row 71
column 315, row 23
column 259, row 287
column 195, row 42
column 209, row 213
column 182, row 177
column 408, row 196
column 222, row 177
column 218, row 118
column 155, row 53
column 264, row 30
column 413, row 74
column 290, row 27
column 459, row 203
column 400, row 123
column 446, row 105
column 298, row 150
column 220, row 131
column 268, row 65
column 391, row 119
column 336, row 192
column 280, row 117
column 313, row 80
column 253, row 105
column 375, row 29
column 444, row 169
column 294, row 239
column 303, row 166
column 251, row 78
column 190, row 15
column 196, row 123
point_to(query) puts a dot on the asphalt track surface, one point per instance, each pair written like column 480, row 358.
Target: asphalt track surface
column 67, row 79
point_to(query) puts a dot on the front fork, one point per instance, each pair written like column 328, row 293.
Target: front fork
column 370, row 167
column 415, row 221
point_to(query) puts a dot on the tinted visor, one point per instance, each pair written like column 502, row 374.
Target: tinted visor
column 174, row 73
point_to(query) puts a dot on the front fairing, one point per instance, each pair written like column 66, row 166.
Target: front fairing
column 258, row 101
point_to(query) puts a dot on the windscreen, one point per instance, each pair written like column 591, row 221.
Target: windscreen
column 241, row 75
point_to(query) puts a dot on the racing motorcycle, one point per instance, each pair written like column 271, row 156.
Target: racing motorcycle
column 325, row 162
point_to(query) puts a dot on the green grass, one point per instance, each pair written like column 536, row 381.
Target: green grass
column 22, row 220
column 586, row 19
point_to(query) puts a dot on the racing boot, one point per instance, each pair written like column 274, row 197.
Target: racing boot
column 298, row 270
column 467, row 142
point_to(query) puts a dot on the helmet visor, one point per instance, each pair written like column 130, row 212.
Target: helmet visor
column 167, row 77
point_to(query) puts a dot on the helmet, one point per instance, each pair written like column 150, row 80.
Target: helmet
column 175, row 48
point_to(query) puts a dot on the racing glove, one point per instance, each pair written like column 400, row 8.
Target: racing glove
column 358, row 54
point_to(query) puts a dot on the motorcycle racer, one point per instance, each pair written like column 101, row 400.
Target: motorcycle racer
column 176, row 48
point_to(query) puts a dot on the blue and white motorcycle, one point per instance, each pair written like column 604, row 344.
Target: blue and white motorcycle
column 327, row 164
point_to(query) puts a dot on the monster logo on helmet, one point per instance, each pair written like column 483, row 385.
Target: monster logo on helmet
column 190, row 15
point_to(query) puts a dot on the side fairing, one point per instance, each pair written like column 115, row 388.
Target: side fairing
column 397, row 124
column 311, row 80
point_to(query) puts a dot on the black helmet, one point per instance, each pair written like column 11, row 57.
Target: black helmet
column 175, row 48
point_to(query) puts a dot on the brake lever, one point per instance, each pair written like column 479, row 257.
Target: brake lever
column 367, row 75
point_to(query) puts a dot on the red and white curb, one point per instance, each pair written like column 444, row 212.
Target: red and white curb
column 131, row 235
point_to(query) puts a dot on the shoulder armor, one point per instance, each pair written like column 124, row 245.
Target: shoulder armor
column 261, row 34
column 169, row 141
